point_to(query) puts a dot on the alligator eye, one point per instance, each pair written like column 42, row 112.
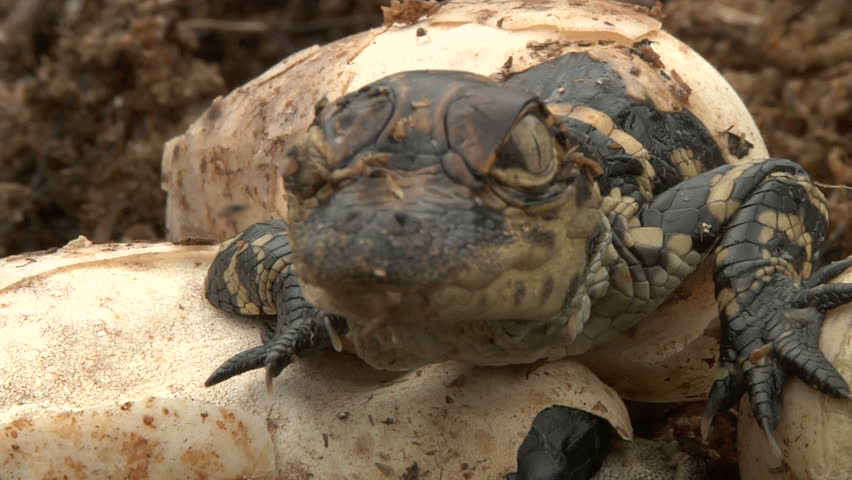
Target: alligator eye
column 527, row 158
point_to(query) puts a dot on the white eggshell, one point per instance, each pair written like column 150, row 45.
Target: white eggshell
column 152, row 438
column 87, row 329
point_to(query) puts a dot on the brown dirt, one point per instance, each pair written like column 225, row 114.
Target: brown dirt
column 90, row 90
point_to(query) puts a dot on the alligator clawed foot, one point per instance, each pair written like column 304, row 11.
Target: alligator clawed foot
column 281, row 344
column 781, row 339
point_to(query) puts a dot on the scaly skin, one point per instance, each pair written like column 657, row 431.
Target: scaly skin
column 439, row 215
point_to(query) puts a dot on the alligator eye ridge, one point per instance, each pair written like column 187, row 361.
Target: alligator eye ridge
column 529, row 146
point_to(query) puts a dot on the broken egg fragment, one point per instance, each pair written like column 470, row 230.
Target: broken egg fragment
column 107, row 379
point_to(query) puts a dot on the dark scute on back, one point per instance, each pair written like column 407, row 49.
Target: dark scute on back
column 563, row 443
column 584, row 80
column 663, row 132
column 589, row 82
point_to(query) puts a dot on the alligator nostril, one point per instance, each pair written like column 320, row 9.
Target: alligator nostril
column 401, row 218
column 350, row 221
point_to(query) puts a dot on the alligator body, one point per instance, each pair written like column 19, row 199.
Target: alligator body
column 441, row 215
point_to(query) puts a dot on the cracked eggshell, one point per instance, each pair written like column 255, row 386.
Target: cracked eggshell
column 152, row 438
column 87, row 329
column 815, row 430
column 224, row 173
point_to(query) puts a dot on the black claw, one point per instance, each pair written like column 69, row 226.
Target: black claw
column 809, row 363
column 290, row 338
column 724, row 393
column 240, row 363
column 765, row 385
column 825, row 297
column 827, row 273
column 770, row 437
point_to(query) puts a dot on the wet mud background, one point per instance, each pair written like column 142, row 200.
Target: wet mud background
column 91, row 89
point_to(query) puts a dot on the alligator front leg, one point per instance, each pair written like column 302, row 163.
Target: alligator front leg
column 773, row 330
column 252, row 275
column 765, row 222
column 771, row 304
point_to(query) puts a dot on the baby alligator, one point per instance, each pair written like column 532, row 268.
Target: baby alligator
column 439, row 215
